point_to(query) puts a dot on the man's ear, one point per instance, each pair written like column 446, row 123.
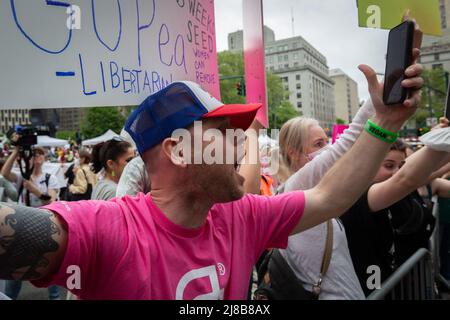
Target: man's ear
column 174, row 151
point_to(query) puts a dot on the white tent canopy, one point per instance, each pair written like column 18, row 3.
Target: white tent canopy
column 46, row 141
column 108, row 135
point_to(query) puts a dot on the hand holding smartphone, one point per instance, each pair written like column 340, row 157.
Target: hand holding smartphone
column 398, row 59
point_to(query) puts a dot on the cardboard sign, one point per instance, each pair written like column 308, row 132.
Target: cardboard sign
column 84, row 53
column 254, row 54
column 386, row 14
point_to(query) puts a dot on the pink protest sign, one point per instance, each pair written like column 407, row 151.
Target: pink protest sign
column 338, row 129
column 255, row 72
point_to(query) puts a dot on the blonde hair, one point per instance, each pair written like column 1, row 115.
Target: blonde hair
column 293, row 136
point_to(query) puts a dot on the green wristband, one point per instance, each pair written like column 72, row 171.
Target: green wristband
column 380, row 133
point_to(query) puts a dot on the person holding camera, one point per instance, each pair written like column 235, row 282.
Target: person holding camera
column 42, row 189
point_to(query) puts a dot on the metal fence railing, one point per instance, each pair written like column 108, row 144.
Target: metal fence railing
column 415, row 279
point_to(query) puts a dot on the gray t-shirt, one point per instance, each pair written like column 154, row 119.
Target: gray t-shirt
column 105, row 189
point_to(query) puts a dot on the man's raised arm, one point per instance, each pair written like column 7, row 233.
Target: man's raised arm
column 352, row 174
column 32, row 242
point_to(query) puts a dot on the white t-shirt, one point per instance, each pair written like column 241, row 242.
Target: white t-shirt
column 41, row 185
column 305, row 250
column 304, row 255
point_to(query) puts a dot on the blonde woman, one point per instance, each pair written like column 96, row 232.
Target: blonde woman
column 85, row 179
column 305, row 158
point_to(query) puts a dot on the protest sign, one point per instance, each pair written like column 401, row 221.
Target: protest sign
column 85, row 53
column 386, row 14
column 255, row 72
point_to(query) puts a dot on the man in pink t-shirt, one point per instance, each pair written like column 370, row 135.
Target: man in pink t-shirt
column 196, row 235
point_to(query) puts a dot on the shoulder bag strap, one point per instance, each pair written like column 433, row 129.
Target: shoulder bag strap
column 327, row 253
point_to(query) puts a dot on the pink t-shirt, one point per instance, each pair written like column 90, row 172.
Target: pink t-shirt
column 127, row 248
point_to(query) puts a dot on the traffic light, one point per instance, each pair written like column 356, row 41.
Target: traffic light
column 239, row 88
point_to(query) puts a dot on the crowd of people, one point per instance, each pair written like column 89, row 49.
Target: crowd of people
column 142, row 221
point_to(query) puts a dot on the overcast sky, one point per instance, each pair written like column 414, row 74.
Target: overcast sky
column 331, row 26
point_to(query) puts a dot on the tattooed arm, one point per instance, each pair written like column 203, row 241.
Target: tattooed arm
column 32, row 242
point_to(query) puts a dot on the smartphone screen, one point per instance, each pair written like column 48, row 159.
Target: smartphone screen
column 398, row 59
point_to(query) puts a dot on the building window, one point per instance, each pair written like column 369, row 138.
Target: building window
column 286, row 57
column 295, row 56
column 280, row 58
column 296, row 64
column 284, row 79
column 299, row 105
column 286, row 66
column 299, row 86
column 299, row 95
column 294, row 45
column 297, row 77
column 436, row 56
column 437, row 66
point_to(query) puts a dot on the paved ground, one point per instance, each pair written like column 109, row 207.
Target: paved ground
column 29, row 292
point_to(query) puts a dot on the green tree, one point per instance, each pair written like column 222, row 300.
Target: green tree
column 279, row 115
column 433, row 96
column 66, row 135
column 99, row 120
column 231, row 65
column 280, row 109
column 340, row 121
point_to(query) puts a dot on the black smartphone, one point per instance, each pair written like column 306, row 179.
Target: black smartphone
column 447, row 104
column 398, row 59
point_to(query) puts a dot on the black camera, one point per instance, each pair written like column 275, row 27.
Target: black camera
column 23, row 136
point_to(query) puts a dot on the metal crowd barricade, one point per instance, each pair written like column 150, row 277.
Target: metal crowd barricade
column 413, row 280
column 416, row 278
